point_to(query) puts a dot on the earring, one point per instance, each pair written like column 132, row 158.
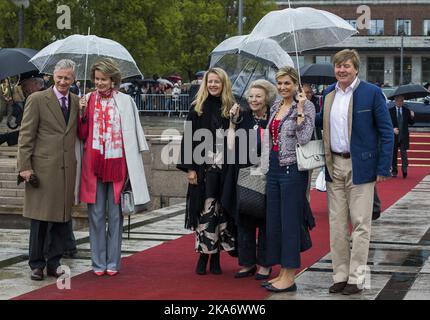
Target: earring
column 113, row 85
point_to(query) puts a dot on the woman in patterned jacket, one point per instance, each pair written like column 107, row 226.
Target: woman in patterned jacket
column 291, row 122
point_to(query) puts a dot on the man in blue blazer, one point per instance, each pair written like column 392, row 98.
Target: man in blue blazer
column 358, row 143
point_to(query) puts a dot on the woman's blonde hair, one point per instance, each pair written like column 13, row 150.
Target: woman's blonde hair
column 109, row 68
column 227, row 98
column 268, row 88
column 288, row 71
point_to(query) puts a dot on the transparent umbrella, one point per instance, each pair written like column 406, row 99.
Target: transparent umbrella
column 85, row 51
column 301, row 29
column 246, row 61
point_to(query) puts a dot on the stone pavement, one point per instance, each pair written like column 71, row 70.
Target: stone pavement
column 398, row 260
column 147, row 230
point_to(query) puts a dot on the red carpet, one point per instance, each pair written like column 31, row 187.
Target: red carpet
column 166, row 272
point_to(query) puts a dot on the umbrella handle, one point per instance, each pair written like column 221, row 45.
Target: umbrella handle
column 86, row 64
column 297, row 54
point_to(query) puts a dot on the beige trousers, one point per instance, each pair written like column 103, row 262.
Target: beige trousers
column 349, row 203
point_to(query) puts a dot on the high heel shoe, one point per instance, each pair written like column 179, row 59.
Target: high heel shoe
column 201, row 264
column 214, row 265
column 112, row 273
column 247, row 273
column 260, row 276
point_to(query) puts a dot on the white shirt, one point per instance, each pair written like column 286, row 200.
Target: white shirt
column 339, row 136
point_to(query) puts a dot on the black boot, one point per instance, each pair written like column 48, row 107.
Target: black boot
column 201, row 264
column 3, row 138
column 215, row 266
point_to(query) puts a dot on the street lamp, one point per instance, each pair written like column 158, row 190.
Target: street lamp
column 22, row 4
column 401, row 50
column 240, row 18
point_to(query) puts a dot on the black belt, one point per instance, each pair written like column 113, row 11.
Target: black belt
column 345, row 155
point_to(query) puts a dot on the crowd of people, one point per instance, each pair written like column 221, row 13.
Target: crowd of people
column 158, row 94
column 352, row 119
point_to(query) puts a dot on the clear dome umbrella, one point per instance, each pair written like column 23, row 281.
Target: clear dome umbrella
column 246, row 61
column 85, row 51
column 301, row 29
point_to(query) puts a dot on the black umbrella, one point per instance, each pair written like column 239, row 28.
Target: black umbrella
column 318, row 73
column 200, row 73
column 14, row 61
column 410, row 91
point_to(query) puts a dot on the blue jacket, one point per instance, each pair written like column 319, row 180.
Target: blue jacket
column 370, row 129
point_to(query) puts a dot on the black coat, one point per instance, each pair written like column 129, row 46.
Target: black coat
column 404, row 126
column 210, row 119
column 247, row 123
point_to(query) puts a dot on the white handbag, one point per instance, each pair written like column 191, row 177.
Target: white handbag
column 128, row 207
column 311, row 155
column 127, row 199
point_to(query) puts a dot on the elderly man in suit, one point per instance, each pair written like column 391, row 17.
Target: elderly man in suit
column 401, row 117
column 354, row 119
column 46, row 150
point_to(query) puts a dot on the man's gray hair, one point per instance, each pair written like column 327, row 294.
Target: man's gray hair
column 65, row 64
column 40, row 83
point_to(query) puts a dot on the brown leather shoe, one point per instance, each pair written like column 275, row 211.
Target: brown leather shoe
column 37, row 274
column 351, row 289
column 337, row 287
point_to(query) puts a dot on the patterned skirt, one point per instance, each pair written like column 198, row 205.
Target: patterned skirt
column 214, row 231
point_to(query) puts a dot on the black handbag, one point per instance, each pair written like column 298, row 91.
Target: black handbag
column 251, row 192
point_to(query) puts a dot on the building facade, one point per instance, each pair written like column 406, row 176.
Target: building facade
column 391, row 26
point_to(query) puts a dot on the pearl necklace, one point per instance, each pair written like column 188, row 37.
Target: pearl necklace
column 275, row 142
column 272, row 128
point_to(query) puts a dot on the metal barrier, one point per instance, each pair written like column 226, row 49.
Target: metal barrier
column 163, row 103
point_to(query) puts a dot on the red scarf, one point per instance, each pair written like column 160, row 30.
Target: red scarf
column 107, row 145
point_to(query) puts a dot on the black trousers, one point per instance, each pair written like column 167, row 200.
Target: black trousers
column 54, row 234
column 251, row 251
column 376, row 211
column 403, row 155
column 69, row 239
column 11, row 138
